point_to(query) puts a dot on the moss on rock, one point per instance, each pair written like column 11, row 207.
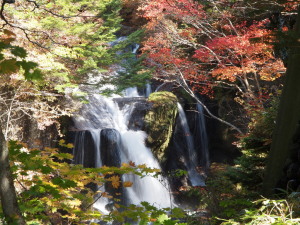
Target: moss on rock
column 160, row 120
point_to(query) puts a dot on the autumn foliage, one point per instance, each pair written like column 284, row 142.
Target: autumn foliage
column 212, row 45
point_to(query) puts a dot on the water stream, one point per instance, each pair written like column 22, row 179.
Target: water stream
column 192, row 157
column 103, row 138
column 101, row 117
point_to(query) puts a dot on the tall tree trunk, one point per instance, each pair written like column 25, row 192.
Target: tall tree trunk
column 287, row 119
column 8, row 195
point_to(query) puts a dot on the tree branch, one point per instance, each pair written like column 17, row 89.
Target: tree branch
column 186, row 87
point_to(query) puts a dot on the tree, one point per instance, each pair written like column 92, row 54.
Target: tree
column 8, row 195
column 7, row 190
column 64, row 40
column 209, row 47
column 288, row 117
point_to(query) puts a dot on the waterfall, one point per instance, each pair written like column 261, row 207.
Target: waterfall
column 202, row 135
column 148, row 89
column 104, row 139
column 192, row 156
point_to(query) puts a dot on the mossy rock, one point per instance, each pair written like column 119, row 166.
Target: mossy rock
column 160, row 122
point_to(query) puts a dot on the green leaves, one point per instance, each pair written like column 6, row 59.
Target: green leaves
column 49, row 183
column 147, row 213
column 10, row 64
column 64, row 183
column 19, row 52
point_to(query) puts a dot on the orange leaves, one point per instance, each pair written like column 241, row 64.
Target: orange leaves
column 226, row 73
column 272, row 70
column 127, row 184
column 115, row 181
column 244, row 53
column 209, row 51
column 180, row 9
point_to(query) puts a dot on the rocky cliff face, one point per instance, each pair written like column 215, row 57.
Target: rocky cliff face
column 160, row 122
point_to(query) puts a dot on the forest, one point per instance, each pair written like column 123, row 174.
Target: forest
column 104, row 99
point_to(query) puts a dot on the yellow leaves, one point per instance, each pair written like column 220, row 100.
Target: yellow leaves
column 62, row 143
column 272, row 71
column 106, row 195
column 125, row 165
column 227, row 73
column 142, row 166
column 115, row 181
column 127, row 184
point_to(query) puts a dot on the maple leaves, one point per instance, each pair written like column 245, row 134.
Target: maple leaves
column 203, row 46
column 49, row 185
column 184, row 9
column 246, row 52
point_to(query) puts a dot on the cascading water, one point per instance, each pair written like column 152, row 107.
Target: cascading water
column 103, row 138
column 202, row 135
column 102, row 117
column 192, row 157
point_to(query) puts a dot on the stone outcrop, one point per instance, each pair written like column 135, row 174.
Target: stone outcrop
column 159, row 122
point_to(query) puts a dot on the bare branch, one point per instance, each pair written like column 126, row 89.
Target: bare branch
column 186, row 87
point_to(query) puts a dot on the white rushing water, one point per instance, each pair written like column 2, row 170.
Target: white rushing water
column 192, row 161
column 202, row 135
column 101, row 113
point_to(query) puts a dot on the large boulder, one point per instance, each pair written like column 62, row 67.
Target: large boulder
column 159, row 122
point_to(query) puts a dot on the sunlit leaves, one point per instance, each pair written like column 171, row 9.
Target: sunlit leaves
column 127, row 184
column 147, row 213
column 49, row 183
column 62, row 143
column 211, row 49
column 8, row 66
column 115, row 181
column 9, row 59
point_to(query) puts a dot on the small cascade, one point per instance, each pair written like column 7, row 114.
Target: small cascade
column 131, row 92
column 147, row 189
column 202, row 135
column 192, row 157
column 86, row 139
column 148, row 90
column 104, row 139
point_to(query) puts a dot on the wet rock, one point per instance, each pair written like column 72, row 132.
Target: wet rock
column 159, row 122
column 110, row 147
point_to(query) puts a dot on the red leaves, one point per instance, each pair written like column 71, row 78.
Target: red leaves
column 209, row 48
column 244, row 53
column 178, row 9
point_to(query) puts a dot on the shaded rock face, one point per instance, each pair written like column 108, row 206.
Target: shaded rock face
column 137, row 119
column 110, row 147
column 176, row 156
column 36, row 138
column 110, row 154
column 139, row 107
column 89, row 146
column 159, row 122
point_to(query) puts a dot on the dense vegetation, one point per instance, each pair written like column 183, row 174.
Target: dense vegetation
column 238, row 53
